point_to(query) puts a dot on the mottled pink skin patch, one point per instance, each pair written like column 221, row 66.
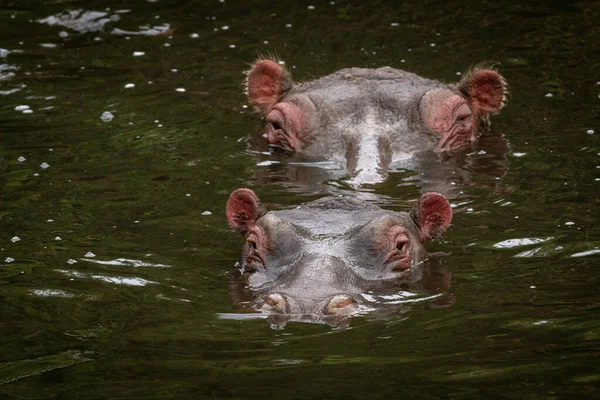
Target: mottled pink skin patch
column 434, row 215
column 266, row 82
column 487, row 91
column 243, row 210
column 285, row 126
column 449, row 115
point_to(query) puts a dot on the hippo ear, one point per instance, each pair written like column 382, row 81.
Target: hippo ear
column 432, row 215
column 243, row 210
column 486, row 89
column 266, row 82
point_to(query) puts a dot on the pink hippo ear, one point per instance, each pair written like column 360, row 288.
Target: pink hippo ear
column 266, row 82
column 243, row 210
column 486, row 89
column 432, row 214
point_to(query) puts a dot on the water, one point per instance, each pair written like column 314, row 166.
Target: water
column 123, row 128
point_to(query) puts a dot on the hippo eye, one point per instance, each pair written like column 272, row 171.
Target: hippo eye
column 276, row 126
column 401, row 245
column 252, row 239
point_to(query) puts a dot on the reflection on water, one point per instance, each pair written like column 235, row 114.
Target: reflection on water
column 446, row 173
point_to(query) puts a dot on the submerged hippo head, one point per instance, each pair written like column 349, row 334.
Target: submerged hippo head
column 314, row 261
column 369, row 118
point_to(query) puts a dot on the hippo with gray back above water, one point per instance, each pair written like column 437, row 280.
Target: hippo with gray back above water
column 312, row 263
column 366, row 119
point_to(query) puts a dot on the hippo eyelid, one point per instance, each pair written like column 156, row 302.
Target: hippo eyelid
column 276, row 118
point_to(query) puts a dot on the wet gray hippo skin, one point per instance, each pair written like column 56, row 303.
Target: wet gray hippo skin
column 367, row 119
column 314, row 261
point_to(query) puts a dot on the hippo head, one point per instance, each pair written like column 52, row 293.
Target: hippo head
column 367, row 119
column 313, row 262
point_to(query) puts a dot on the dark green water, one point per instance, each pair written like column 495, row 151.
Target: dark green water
column 144, row 317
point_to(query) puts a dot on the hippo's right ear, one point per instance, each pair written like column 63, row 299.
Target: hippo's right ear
column 243, row 210
column 432, row 215
column 266, row 82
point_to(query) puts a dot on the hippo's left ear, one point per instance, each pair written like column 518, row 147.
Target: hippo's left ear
column 243, row 210
column 432, row 215
column 486, row 89
column 266, row 82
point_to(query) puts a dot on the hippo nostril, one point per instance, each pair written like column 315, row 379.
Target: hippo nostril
column 341, row 304
column 275, row 303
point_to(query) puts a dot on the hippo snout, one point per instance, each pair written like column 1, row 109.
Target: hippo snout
column 336, row 305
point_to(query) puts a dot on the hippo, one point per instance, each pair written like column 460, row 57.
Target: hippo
column 368, row 120
column 315, row 262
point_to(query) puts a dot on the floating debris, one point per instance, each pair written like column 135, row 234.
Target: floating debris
column 89, row 254
column 82, row 22
column 206, row 213
column 510, row 243
column 21, row 159
column 44, row 165
column 107, row 116
column 15, row 239
column 70, row 261
column 145, row 30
